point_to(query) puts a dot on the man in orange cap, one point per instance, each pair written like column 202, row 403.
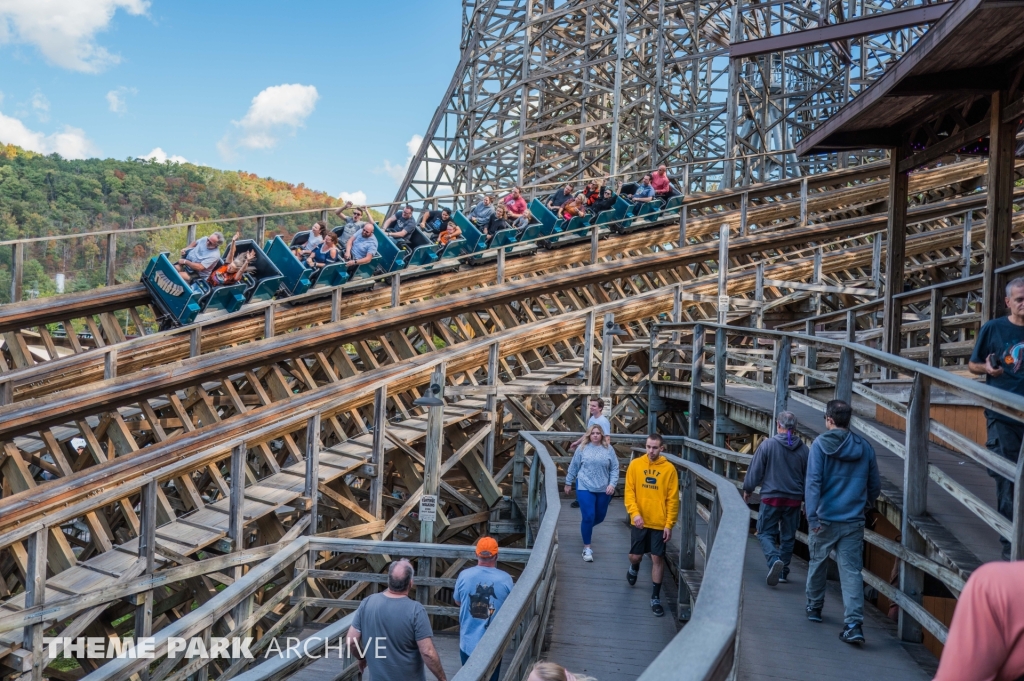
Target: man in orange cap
column 480, row 592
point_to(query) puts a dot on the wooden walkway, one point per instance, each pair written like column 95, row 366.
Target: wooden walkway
column 603, row 627
column 972, row 533
column 777, row 642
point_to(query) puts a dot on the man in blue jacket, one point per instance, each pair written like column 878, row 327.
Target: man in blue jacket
column 842, row 483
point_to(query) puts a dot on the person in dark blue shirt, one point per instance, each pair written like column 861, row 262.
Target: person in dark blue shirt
column 999, row 356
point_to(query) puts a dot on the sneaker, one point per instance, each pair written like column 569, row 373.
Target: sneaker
column 784, row 579
column 813, row 614
column 659, row 611
column 574, row 504
column 631, row 577
column 588, row 556
column 775, row 572
column 852, row 633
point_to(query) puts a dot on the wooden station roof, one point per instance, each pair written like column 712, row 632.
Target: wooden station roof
column 972, row 51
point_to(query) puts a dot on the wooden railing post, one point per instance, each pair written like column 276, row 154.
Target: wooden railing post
column 968, row 243
column 593, row 243
column 236, row 521
column 587, row 370
column 499, row 277
column 312, row 486
column 432, row 451
column 744, row 200
column 783, row 357
column 17, row 271
column 876, row 261
column 816, row 297
column 380, row 418
column 606, row 359
column 261, row 230
column 847, row 363
column 935, row 329
column 803, row 202
column 335, row 304
column 110, row 363
column 687, row 540
column 683, row 210
column 492, row 406
column 811, row 357
column 147, row 553
column 396, row 289
column 721, row 367
column 111, row 258
column 268, row 321
column 915, row 497
column 696, row 372
column 190, row 233
column 195, row 342
column 35, row 592
column 723, row 273
column 1017, row 540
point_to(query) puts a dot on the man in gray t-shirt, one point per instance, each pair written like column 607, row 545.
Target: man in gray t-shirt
column 391, row 634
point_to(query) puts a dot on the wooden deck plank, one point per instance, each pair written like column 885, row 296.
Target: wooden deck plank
column 591, row 596
column 777, row 641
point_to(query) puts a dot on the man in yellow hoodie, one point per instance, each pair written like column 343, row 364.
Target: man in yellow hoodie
column 652, row 501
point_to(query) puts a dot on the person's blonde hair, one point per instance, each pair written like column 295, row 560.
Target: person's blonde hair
column 549, row 671
column 605, row 439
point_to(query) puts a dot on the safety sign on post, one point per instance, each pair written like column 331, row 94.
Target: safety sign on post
column 428, row 508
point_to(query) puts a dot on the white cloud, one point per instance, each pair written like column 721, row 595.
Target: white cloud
column 116, row 99
column 160, row 156
column 397, row 170
column 69, row 142
column 41, row 106
column 357, row 198
column 65, row 30
column 279, row 109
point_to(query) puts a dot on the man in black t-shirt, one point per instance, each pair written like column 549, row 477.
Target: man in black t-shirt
column 560, row 197
column 999, row 355
column 435, row 221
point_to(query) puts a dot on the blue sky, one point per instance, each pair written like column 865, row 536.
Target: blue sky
column 203, row 81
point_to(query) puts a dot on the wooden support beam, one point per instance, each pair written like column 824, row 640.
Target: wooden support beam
column 696, row 372
column 147, row 556
column 783, row 355
column 236, row 521
column 999, row 204
column 380, row 413
column 896, row 250
column 312, row 470
column 492, row 404
column 35, row 593
column 915, row 498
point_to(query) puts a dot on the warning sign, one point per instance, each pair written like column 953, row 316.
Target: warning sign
column 428, row 508
column 723, row 303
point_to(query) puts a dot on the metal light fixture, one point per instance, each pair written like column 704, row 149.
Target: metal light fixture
column 430, row 398
column 613, row 329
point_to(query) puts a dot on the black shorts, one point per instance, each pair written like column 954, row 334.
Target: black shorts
column 647, row 541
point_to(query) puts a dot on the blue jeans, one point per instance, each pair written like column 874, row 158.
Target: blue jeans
column 776, row 530
column 1004, row 439
column 593, row 508
column 847, row 538
column 464, row 657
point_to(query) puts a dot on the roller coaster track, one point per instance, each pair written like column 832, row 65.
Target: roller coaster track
column 37, row 378
column 172, row 419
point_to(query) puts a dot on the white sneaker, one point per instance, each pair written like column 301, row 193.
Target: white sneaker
column 588, row 556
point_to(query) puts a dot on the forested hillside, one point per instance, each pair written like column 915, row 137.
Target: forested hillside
column 47, row 195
